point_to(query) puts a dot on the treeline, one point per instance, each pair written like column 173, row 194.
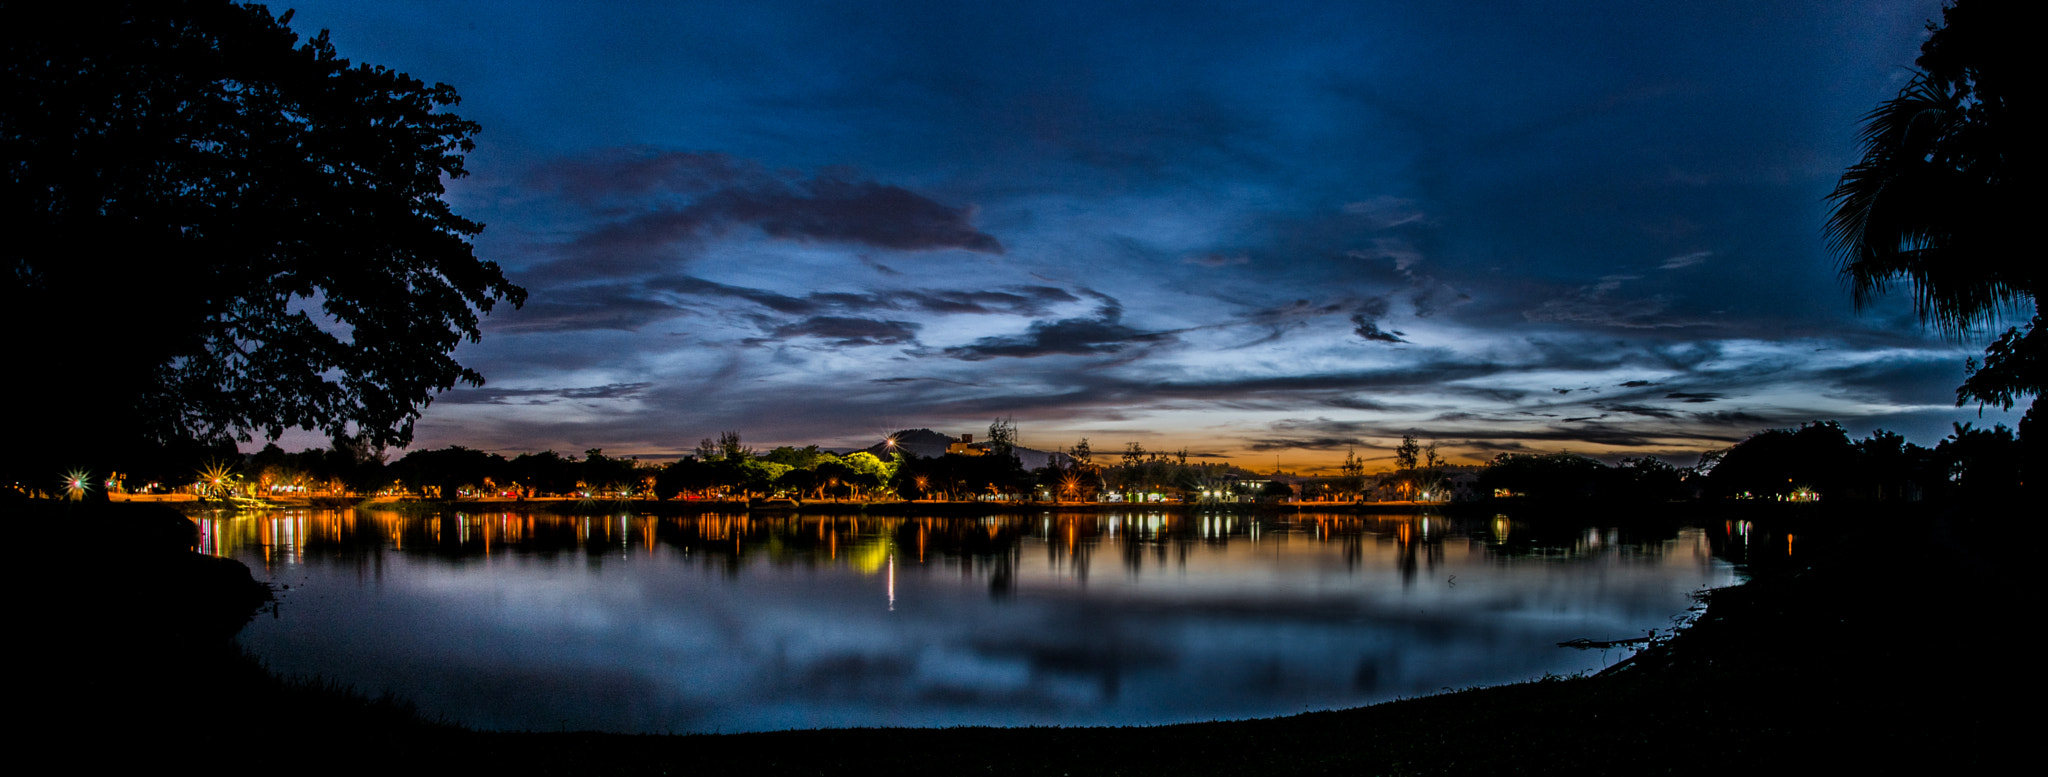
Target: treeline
column 1814, row 462
column 728, row 469
column 724, row 468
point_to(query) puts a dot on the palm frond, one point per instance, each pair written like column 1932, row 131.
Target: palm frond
column 1923, row 207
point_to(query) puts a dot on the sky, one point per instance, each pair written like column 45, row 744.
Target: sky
column 1266, row 233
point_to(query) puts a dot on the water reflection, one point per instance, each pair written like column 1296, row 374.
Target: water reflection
column 734, row 622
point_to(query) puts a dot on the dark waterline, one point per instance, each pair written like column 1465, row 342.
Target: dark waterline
column 729, row 623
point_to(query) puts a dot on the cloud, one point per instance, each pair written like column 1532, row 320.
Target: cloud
column 1104, row 333
column 1014, row 300
column 1400, row 251
column 1366, row 322
column 1361, row 403
column 1426, row 294
column 863, row 212
column 1749, row 421
column 575, row 309
column 1693, row 398
column 1688, row 260
column 614, row 176
column 1641, row 410
column 1595, row 304
column 1280, row 319
column 1301, row 444
column 843, row 331
column 498, row 396
column 1386, row 212
column 651, row 203
column 1216, row 260
column 1070, row 336
column 1369, row 330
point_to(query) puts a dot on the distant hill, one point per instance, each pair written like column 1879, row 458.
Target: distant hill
column 925, row 443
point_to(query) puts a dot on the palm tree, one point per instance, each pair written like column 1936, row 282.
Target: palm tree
column 1934, row 203
column 1921, row 206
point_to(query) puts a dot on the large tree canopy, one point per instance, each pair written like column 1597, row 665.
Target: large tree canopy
column 1938, row 203
column 216, row 229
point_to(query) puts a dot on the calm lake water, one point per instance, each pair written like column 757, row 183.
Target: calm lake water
column 634, row 623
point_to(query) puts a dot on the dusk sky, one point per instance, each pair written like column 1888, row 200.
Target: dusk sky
column 1265, row 232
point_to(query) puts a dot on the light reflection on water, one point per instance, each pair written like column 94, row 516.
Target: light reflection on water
column 735, row 623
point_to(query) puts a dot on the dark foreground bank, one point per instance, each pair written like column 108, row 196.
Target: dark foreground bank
column 1840, row 662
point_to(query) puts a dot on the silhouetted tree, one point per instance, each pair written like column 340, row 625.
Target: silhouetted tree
column 1777, row 462
column 546, row 473
column 1408, row 453
column 1545, row 476
column 611, row 476
column 443, row 473
column 1939, row 202
column 1982, row 462
column 1352, row 479
column 1002, row 437
column 225, row 230
column 730, row 447
column 1891, row 469
column 1648, row 479
column 688, row 474
column 1134, row 452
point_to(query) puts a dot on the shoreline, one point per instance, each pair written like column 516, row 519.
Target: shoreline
column 1617, row 511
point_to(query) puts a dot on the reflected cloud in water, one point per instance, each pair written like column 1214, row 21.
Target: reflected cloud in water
column 731, row 623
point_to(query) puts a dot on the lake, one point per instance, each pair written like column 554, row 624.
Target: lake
column 726, row 623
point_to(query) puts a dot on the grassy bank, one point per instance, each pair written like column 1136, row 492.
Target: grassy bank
column 1855, row 656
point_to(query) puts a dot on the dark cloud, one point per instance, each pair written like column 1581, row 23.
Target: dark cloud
column 1361, row 403
column 1916, row 379
column 843, row 331
column 1015, row 300
column 1693, row 398
column 1598, row 305
column 617, row 177
column 861, row 212
column 610, row 307
column 1321, row 434
column 1365, row 322
column 1641, row 410
column 1369, row 330
column 780, row 303
column 1734, row 418
column 1068, row 336
column 1301, row 443
column 1636, row 384
column 1103, row 333
column 1280, row 319
column 650, row 203
column 496, row 396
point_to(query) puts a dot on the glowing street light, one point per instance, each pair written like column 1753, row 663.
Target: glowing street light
column 76, row 483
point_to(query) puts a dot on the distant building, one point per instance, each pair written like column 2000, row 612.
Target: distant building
column 965, row 447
